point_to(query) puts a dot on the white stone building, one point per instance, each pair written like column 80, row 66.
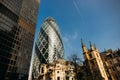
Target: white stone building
column 57, row 70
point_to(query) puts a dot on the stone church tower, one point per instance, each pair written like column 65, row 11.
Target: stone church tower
column 94, row 65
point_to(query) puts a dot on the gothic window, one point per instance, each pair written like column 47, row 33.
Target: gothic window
column 90, row 55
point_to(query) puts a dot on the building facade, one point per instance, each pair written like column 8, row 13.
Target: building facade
column 17, row 27
column 57, row 70
column 93, row 63
column 49, row 45
column 111, row 60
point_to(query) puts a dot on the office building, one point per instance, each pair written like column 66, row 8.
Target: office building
column 17, row 28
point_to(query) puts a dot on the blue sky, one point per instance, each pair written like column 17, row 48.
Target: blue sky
column 92, row 20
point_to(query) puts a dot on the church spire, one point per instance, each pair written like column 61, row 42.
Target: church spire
column 85, row 52
column 95, row 47
column 91, row 47
column 83, row 46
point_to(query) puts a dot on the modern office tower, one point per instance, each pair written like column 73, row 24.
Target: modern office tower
column 49, row 42
column 93, row 63
column 17, row 28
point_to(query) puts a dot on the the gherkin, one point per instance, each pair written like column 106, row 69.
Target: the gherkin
column 49, row 45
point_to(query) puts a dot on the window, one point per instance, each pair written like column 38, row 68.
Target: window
column 57, row 71
column 90, row 55
column 109, row 56
column 67, row 78
column 92, row 62
column 113, row 68
column 72, row 78
column 42, row 71
column 58, row 78
column 110, row 62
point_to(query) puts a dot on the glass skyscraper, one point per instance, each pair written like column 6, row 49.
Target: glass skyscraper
column 17, row 27
column 49, row 45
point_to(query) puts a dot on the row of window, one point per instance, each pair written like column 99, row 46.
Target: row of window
column 14, row 5
column 3, row 67
column 4, row 10
column 10, row 45
column 113, row 61
column 12, row 68
column 6, row 19
column 26, row 13
column 7, row 55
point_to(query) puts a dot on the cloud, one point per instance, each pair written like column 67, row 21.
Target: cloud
column 69, row 41
column 74, row 36
column 65, row 39
column 70, row 38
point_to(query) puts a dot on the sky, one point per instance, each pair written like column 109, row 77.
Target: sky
column 97, row 21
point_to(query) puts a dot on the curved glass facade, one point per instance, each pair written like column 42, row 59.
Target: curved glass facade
column 49, row 46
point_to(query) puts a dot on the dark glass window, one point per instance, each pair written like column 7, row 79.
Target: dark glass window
column 4, row 10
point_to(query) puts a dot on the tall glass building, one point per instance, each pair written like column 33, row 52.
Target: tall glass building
column 17, row 27
column 49, row 45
